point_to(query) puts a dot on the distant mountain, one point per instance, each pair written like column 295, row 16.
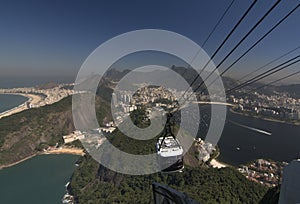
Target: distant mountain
column 49, row 85
column 156, row 76
column 190, row 75
column 293, row 89
column 229, row 82
column 116, row 75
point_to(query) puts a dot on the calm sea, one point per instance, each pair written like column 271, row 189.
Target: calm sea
column 239, row 145
column 10, row 101
column 39, row 180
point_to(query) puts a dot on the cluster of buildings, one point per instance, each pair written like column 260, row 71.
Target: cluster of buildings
column 109, row 127
column 265, row 172
column 279, row 105
column 124, row 102
column 205, row 150
column 48, row 96
column 93, row 137
column 76, row 135
column 128, row 101
column 152, row 94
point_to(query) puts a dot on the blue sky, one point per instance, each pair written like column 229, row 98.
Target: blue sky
column 53, row 38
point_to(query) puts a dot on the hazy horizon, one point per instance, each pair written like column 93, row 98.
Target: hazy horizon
column 47, row 39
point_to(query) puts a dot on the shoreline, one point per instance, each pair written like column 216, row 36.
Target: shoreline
column 264, row 118
column 17, row 162
column 32, row 98
column 70, row 151
column 217, row 164
column 64, row 150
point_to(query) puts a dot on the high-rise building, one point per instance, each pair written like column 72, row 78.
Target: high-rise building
column 114, row 100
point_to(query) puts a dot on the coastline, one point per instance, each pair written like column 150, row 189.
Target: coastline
column 32, row 98
column 264, row 118
column 64, row 150
column 217, row 164
column 71, row 151
column 17, row 162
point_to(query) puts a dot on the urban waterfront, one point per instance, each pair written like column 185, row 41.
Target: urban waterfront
column 40, row 179
column 238, row 145
column 8, row 101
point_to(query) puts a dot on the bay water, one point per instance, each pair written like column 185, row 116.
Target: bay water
column 8, row 101
column 39, row 180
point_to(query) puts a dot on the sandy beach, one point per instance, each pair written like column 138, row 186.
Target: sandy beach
column 64, row 150
column 217, row 164
column 32, row 98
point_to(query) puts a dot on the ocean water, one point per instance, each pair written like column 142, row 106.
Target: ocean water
column 8, row 101
column 245, row 139
column 39, row 180
column 282, row 145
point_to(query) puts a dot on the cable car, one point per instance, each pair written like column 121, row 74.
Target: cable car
column 170, row 154
column 169, row 151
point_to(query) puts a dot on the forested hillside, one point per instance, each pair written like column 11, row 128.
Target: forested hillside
column 93, row 183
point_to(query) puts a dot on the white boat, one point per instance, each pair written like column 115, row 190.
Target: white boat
column 67, row 184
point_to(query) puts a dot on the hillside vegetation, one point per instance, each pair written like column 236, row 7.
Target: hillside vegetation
column 25, row 133
column 93, row 183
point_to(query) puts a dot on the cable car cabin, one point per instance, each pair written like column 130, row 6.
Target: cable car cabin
column 170, row 154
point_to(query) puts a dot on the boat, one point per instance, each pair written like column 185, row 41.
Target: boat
column 67, row 184
column 68, row 199
column 170, row 154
